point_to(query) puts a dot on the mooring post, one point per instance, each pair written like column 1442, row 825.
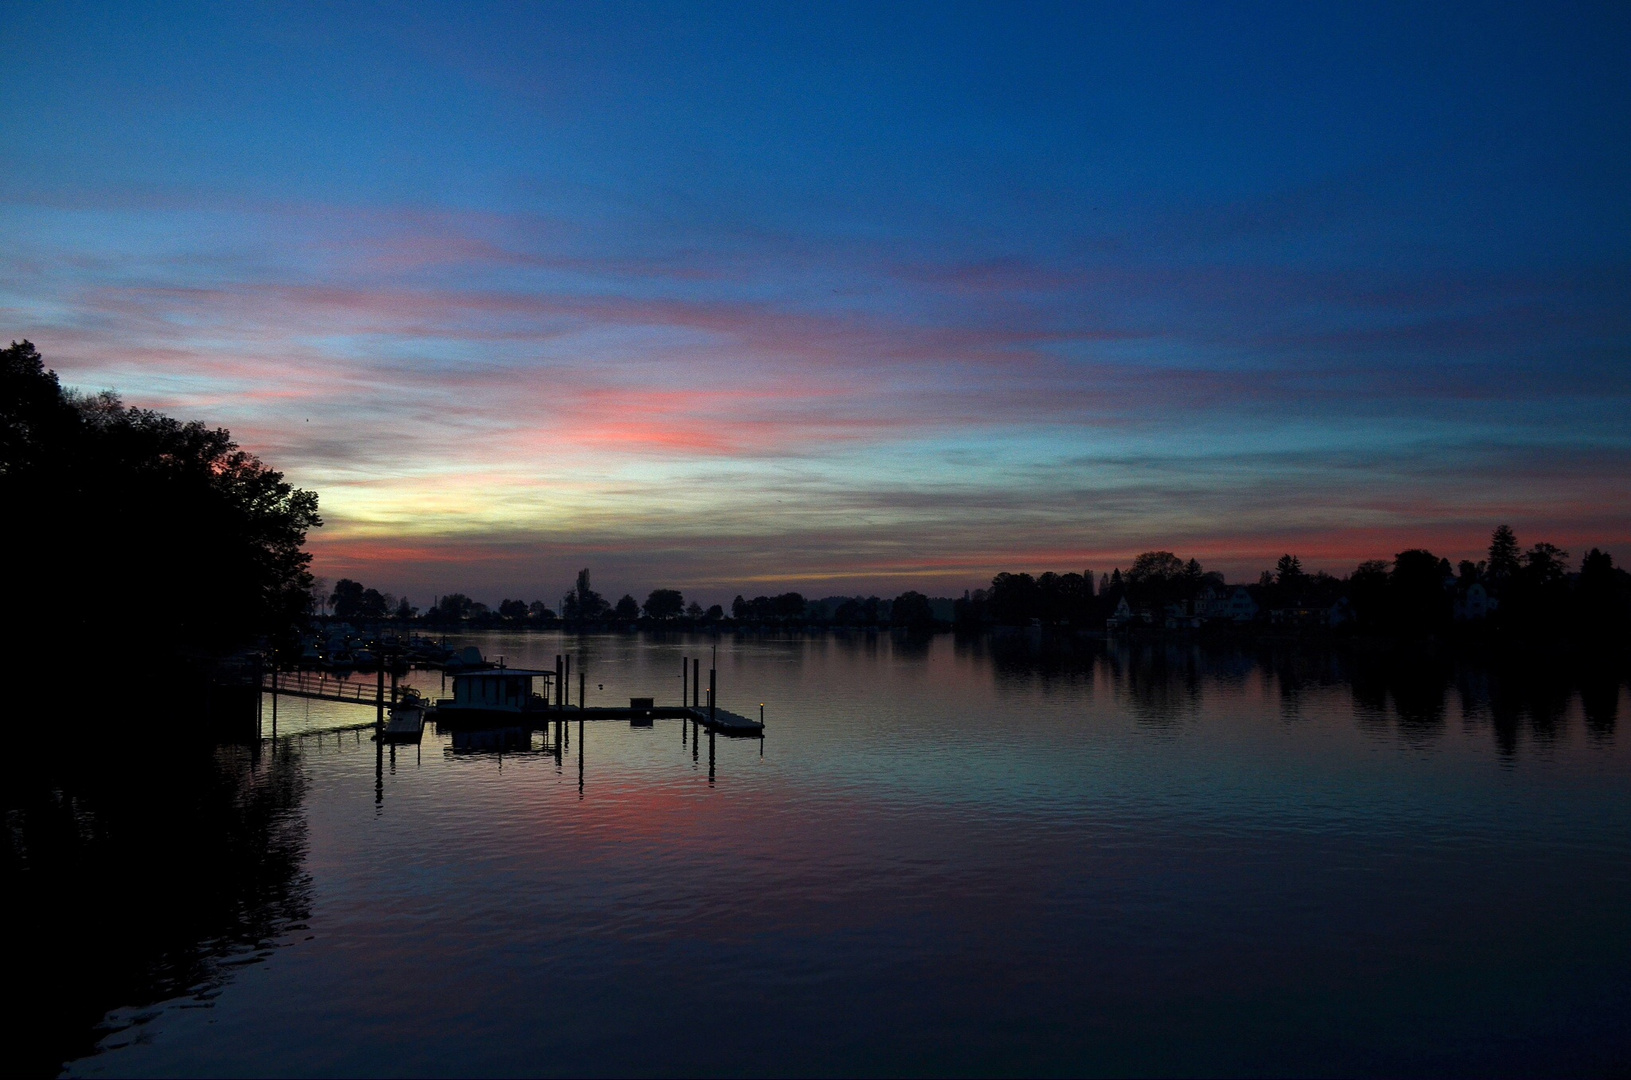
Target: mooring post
column 685, row 682
column 379, row 702
column 696, row 682
column 710, row 757
column 566, row 688
column 582, row 683
column 393, row 684
column 557, row 680
column 713, row 705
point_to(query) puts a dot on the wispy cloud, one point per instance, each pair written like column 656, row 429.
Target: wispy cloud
column 471, row 393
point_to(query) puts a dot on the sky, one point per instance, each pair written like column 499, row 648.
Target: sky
column 846, row 298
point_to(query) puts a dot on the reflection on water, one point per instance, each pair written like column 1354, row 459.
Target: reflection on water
column 1016, row 852
column 140, row 872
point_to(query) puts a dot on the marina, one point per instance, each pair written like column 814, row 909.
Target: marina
column 494, row 696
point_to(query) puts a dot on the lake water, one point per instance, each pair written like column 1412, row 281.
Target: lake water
column 1009, row 855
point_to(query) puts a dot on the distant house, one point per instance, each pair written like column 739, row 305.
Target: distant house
column 1123, row 616
column 1223, row 604
column 1179, row 617
column 1240, row 608
column 1473, row 602
column 1212, row 603
column 1298, row 616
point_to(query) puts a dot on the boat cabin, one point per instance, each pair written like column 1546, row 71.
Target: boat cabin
column 496, row 690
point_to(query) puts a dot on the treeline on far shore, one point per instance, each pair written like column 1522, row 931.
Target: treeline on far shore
column 1533, row 592
column 582, row 607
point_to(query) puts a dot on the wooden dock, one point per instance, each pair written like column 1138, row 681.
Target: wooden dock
column 351, row 692
column 375, row 695
column 404, row 726
column 726, row 722
column 723, row 721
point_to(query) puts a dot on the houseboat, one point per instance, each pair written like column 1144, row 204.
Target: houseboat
column 494, row 695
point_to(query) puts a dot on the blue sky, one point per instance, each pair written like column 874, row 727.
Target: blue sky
column 847, row 298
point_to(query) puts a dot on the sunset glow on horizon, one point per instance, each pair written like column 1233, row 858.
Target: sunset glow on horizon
column 743, row 299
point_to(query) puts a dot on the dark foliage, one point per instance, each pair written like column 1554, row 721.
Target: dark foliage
column 126, row 513
column 583, row 604
column 351, row 601
column 912, row 611
column 665, row 604
column 786, row 608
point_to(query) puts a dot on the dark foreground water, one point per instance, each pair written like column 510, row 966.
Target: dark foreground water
column 999, row 856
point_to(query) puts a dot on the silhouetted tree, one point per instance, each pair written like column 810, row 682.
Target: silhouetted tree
column 1368, row 593
column 375, row 604
column 628, row 609
column 1289, row 576
column 1013, row 599
column 715, row 613
column 454, row 607
column 1065, row 598
column 1546, row 564
column 512, row 610
column 115, row 505
column 912, row 610
column 665, row 604
column 1603, row 596
column 969, row 612
column 1420, row 601
column 693, row 610
column 346, row 600
column 1503, row 555
column 1156, row 578
column 582, row 603
column 405, row 610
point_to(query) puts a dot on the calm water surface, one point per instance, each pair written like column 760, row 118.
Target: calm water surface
column 946, row 857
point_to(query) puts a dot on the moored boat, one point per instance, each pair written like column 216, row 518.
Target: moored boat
column 493, row 694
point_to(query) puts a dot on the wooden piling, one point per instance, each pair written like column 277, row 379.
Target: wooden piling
column 696, row 682
column 712, row 706
column 566, row 682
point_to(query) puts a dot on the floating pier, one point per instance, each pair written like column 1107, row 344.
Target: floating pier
column 406, row 725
